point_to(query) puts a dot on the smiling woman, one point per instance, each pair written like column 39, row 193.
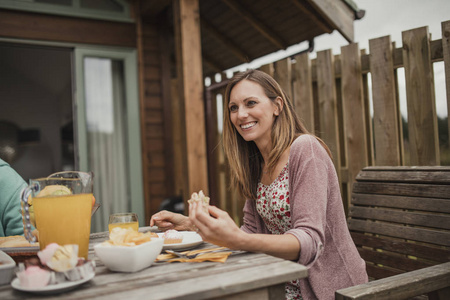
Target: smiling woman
column 293, row 204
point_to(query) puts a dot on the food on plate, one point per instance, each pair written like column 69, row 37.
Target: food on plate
column 34, row 277
column 128, row 237
column 200, row 197
column 15, row 241
column 64, row 258
column 55, row 264
column 172, row 236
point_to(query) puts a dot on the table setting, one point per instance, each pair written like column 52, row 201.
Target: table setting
column 127, row 260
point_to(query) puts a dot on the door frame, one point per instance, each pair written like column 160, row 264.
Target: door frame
column 129, row 58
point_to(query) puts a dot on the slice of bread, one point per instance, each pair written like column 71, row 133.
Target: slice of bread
column 200, row 197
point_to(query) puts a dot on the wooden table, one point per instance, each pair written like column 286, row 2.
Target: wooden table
column 242, row 276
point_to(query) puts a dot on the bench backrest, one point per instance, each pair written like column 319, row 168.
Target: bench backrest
column 400, row 218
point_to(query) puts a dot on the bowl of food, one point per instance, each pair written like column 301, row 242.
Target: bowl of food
column 7, row 265
column 128, row 250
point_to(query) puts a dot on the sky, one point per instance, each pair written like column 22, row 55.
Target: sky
column 382, row 18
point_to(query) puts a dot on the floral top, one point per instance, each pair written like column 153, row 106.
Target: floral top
column 273, row 206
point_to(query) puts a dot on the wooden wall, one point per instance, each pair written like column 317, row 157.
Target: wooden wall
column 157, row 97
column 331, row 95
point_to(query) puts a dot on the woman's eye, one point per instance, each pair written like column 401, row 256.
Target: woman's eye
column 251, row 103
column 233, row 108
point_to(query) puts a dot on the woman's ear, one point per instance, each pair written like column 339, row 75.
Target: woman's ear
column 278, row 106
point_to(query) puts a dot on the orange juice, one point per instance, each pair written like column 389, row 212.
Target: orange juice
column 64, row 220
column 132, row 225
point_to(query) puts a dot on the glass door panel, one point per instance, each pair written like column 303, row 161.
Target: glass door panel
column 108, row 131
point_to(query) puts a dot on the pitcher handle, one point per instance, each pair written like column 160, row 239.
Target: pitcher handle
column 26, row 192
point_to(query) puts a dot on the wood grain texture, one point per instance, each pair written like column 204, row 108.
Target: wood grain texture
column 400, row 223
column 188, row 48
column 24, row 25
column 302, row 90
column 353, row 112
column 242, row 276
column 327, row 105
column 385, row 104
column 401, row 286
column 283, row 75
column 446, row 56
column 422, row 119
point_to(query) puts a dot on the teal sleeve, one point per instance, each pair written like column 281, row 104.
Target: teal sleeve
column 11, row 186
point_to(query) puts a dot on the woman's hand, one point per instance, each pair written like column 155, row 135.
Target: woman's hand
column 218, row 229
column 166, row 220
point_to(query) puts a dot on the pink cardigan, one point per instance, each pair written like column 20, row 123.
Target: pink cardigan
column 318, row 222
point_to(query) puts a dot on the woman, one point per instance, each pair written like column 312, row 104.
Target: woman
column 294, row 208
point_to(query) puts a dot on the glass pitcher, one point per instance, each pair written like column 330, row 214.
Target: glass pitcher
column 62, row 204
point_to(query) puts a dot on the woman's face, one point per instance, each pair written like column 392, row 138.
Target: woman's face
column 252, row 112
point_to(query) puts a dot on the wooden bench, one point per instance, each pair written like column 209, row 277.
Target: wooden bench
column 400, row 221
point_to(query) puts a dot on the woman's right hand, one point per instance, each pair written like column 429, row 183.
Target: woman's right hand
column 166, row 220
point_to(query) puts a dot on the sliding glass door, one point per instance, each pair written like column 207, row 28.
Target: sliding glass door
column 108, row 130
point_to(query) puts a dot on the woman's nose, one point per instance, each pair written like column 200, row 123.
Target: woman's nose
column 242, row 113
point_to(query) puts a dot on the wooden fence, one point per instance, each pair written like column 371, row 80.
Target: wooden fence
column 331, row 95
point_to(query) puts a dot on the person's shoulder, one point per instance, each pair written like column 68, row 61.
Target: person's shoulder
column 3, row 163
column 303, row 141
column 307, row 145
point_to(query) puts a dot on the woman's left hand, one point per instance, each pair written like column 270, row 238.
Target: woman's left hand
column 217, row 228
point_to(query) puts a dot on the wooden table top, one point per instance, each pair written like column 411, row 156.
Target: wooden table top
column 241, row 274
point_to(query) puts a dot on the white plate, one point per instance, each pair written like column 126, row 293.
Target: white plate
column 52, row 288
column 191, row 239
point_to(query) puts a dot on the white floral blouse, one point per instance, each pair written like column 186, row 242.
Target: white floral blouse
column 273, row 206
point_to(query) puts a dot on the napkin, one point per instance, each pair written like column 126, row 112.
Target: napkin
column 205, row 255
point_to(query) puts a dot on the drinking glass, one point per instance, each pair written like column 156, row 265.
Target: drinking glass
column 123, row 220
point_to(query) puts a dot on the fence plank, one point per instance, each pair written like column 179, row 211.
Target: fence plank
column 385, row 106
column 326, row 90
column 302, row 90
column 353, row 112
column 422, row 119
column 368, row 116
column 446, row 55
column 268, row 68
column 283, row 75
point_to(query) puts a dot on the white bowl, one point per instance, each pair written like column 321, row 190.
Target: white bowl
column 7, row 265
column 129, row 259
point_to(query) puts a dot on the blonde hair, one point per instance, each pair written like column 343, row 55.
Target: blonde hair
column 244, row 158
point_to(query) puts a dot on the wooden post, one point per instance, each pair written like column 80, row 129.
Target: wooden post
column 385, row 106
column 302, row 90
column 353, row 112
column 446, row 54
column 189, row 67
column 422, row 119
column 328, row 119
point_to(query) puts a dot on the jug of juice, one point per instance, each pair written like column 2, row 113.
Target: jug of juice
column 62, row 205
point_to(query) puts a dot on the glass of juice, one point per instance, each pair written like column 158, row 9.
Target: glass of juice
column 62, row 205
column 123, row 220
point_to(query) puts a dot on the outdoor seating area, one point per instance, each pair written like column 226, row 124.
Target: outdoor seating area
column 180, row 149
column 400, row 221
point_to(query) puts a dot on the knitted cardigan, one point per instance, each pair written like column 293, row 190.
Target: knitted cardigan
column 318, row 222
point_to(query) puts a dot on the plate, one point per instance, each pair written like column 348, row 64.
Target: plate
column 191, row 239
column 53, row 288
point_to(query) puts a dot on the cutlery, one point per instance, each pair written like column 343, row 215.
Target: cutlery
column 194, row 254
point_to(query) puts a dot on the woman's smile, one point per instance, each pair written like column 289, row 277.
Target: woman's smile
column 248, row 125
